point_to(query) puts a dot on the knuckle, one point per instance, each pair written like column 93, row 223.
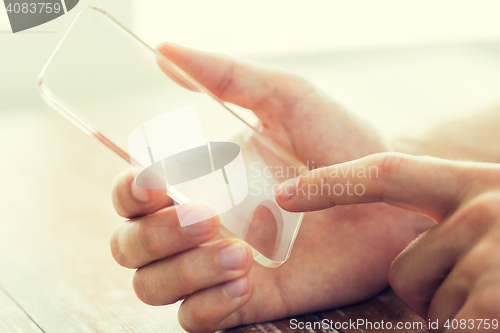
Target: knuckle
column 483, row 258
column 390, row 163
column 481, row 213
column 195, row 321
column 488, row 206
column 484, row 255
column 476, row 259
column 286, row 92
column 154, row 288
column 486, row 300
column 184, row 271
column 148, row 235
column 150, row 288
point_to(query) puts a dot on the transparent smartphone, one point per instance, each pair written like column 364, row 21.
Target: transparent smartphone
column 108, row 82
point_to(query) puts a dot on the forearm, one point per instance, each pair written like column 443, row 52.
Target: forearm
column 473, row 139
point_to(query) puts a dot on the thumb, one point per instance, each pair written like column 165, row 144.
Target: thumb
column 431, row 186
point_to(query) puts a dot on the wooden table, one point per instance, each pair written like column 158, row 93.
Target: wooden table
column 56, row 270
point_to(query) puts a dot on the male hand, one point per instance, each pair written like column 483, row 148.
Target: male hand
column 451, row 273
column 340, row 256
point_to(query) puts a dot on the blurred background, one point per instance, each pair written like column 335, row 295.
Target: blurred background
column 398, row 64
column 403, row 66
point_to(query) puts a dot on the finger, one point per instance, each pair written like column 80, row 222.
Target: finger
column 431, row 186
column 433, row 274
column 130, row 200
column 268, row 93
column 215, row 308
column 264, row 232
column 136, row 243
column 448, row 299
column 472, row 287
column 481, row 311
column 166, row 281
column 423, row 276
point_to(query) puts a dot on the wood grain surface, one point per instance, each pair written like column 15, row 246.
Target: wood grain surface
column 13, row 319
column 56, row 270
column 385, row 307
column 55, row 220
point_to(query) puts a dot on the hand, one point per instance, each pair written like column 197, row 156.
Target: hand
column 340, row 256
column 452, row 271
column 472, row 139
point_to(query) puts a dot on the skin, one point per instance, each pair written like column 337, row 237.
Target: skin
column 335, row 250
column 451, row 271
column 473, row 139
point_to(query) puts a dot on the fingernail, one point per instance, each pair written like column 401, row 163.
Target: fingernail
column 192, row 226
column 287, row 189
column 237, row 288
column 233, row 256
column 139, row 193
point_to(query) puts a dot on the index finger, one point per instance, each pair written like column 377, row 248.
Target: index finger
column 268, row 93
column 431, row 186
